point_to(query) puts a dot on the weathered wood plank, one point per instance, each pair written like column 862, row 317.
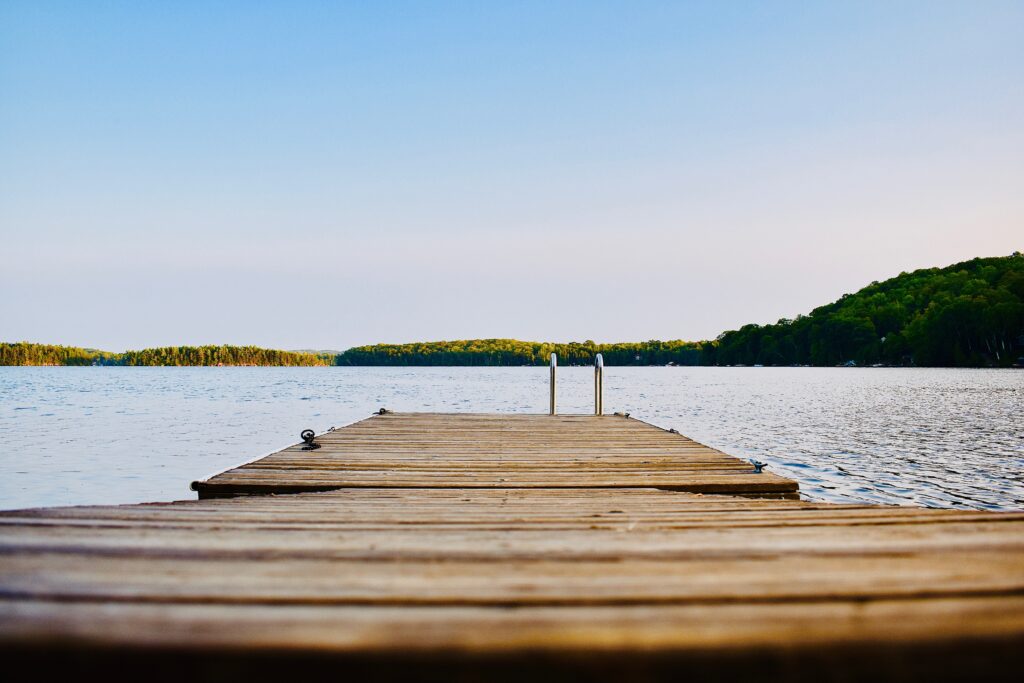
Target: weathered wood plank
column 497, row 451
column 482, row 541
column 516, row 546
column 726, row 628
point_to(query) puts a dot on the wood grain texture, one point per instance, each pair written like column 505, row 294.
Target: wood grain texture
column 436, row 450
column 617, row 581
column 506, row 547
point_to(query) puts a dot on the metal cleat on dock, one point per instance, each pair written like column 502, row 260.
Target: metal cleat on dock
column 307, row 436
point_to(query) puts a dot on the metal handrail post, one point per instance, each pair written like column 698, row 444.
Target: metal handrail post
column 554, row 368
column 598, row 385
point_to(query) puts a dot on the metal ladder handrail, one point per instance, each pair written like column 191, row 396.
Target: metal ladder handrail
column 554, row 368
column 598, row 383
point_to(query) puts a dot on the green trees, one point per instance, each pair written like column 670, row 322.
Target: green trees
column 514, row 352
column 220, row 355
column 969, row 314
column 24, row 353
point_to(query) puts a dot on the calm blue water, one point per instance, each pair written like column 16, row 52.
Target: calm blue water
column 935, row 437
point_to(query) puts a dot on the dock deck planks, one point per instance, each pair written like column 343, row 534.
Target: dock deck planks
column 492, row 581
column 438, row 450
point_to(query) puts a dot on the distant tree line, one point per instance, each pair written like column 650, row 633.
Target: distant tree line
column 220, row 355
column 513, row 352
column 24, row 353
column 970, row 314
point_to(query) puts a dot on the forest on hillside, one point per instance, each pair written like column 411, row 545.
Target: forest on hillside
column 970, row 314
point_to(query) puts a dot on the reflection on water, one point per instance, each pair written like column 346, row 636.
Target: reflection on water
column 935, row 437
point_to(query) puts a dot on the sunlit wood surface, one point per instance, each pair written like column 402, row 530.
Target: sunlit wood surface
column 497, row 451
column 491, row 581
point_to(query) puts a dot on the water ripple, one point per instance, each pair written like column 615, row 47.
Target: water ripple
column 935, row 437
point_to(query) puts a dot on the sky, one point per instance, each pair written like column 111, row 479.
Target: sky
column 321, row 175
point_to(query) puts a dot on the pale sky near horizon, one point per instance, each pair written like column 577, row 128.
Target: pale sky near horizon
column 321, row 175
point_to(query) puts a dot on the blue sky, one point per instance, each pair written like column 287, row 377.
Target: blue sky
column 319, row 175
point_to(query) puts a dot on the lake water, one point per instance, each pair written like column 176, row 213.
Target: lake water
column 934, row 437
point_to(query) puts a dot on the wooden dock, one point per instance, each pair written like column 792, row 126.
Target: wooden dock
column 432, row 450
column 499, row 547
